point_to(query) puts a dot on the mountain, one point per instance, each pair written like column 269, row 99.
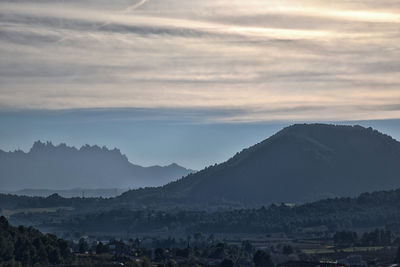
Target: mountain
column 301, row 163
column 91, row 167
column 69, row 193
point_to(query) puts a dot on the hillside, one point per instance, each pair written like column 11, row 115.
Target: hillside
column 47, row 166
column 368, row 210
column 28, row 247
column 301, row 163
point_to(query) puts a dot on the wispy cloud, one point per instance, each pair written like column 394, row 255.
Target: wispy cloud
column 271, row 60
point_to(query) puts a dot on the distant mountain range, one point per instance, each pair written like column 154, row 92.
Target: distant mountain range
column 61, row 167
column 301, row 163
column 68, row 193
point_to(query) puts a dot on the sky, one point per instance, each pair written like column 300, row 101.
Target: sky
column 192, row 81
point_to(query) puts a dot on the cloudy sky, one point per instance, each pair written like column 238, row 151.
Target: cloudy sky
column 199, row 61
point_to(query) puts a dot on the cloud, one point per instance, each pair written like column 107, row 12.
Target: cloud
column 281, row 60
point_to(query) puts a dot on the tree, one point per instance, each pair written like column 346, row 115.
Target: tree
column 345, row 238
column 146, row 262
column 198, row 237
column 247, row 247
column 83, row 245
column 55, row 256
column 159, row 254
column 227, row 263
column 171, row 263
column 379, row 237
column 137, row 243
column 42, row 255
column 101, row 248
column 287, row 249
column 397, row 258
column 22, row 250
column 262, row 259
column 6, row 248
column 218, row 251
column 63, row 247
column 186, row 252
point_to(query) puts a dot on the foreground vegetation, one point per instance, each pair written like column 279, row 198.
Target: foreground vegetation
column 28, row 246
column 22, row 246
column 333, row 228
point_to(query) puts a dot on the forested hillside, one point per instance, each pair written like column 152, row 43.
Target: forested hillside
column 369, row 210
column 27, row 246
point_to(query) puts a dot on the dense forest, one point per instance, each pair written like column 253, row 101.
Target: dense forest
column 27, row 246
column 369, row 210
column 378, row 237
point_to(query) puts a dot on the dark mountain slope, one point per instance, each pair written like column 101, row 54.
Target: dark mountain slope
column 300, row 163
column 62, row 167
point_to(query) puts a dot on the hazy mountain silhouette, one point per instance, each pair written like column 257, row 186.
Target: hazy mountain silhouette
column 63, row 167
column 69, row 193
column 300, row 163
